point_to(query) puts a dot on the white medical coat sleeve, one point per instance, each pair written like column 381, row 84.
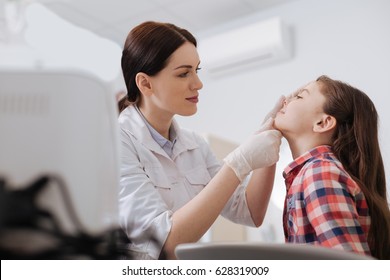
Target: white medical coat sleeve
column 236, row 209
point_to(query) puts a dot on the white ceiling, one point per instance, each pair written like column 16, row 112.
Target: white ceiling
column 114, row 18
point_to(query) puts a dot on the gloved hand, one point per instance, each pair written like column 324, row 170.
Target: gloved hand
column 275, row 109
column 260, row 150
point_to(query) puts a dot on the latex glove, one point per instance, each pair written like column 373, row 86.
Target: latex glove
column 278, row 105
column 267, row 125
column 260, row 150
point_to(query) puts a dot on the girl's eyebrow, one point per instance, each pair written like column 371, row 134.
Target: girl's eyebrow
column 304, row 89
column 295, row 93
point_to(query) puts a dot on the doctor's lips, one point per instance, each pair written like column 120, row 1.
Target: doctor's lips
column 193, row 99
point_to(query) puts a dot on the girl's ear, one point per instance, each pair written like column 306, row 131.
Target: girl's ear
column 143, row 83
column 325, row 124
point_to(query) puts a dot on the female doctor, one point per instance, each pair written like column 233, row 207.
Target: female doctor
column 172, row 187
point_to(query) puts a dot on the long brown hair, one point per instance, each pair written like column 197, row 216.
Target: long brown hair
column 356, row 145
column 147, row 49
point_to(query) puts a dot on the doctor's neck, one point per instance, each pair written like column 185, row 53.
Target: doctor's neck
column 159, row 121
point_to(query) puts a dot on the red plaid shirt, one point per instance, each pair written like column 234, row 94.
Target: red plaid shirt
column 324, row 205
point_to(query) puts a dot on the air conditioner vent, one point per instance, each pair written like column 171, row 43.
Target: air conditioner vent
column 255, row 44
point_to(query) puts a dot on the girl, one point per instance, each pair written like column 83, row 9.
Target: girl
column 336, row 187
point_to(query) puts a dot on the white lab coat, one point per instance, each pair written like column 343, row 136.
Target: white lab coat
column 153, row 185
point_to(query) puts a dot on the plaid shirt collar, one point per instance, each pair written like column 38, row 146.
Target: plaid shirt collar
column 294, row 167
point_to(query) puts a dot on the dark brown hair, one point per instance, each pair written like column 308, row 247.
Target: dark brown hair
column 356, row 145
column 147, row 49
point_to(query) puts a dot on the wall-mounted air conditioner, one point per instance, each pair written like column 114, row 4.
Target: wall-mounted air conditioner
column 256, row 44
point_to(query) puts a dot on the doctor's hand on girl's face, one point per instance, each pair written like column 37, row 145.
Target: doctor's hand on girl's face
column 268, row 122
column 267, row 125
column 272, row 114
column 260, row 150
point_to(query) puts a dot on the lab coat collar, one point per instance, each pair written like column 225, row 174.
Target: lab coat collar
column 183, row 141
column 130, row 120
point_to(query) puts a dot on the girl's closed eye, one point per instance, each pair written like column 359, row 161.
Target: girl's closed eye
column 293, row 95
column 299, row 94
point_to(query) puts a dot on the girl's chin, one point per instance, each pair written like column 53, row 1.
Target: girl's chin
column 277, row 125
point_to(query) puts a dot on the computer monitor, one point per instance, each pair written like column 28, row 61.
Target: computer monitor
column 63, row 125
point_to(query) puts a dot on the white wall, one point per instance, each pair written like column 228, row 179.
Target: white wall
column 345, row 39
